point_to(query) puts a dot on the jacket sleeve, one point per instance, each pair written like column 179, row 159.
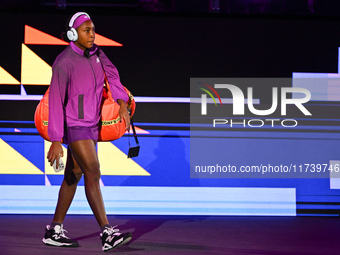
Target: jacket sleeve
column 56, row 103
column 112, row 75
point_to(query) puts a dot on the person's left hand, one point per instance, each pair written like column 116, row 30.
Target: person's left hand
column 124, row 114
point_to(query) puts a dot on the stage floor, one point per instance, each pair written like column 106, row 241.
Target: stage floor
column 22, row 234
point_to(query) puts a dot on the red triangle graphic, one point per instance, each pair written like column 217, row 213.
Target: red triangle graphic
column 35, row 36
column 103, row 41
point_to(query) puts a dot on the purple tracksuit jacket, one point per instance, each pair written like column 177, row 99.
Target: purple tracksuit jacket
column 76, row 89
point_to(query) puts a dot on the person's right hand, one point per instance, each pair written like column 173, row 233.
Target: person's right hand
column 55, row 152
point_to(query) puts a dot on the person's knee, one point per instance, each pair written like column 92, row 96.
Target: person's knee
column 78, row 173
column 92, row 172
column 73, row 176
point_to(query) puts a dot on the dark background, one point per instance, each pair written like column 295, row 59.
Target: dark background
column 162, row 51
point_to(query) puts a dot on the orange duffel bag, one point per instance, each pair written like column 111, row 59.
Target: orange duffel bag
column 111, row 127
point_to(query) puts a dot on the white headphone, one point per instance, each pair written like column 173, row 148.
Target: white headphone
column 72, row 34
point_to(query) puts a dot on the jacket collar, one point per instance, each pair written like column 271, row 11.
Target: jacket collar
column 81, row 52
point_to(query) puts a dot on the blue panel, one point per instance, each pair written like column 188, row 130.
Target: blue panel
column 22, row 179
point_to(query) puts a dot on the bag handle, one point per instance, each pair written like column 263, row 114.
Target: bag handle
column 133, row 151
column 106, row 82
column 134, row 132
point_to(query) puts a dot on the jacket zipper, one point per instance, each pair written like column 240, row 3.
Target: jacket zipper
column 95, row 80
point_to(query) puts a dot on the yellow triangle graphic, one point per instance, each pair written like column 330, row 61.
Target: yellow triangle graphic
column 34, row 70
column 12, row 162
column 48, row 168
column 114, row 162
column 6, row 78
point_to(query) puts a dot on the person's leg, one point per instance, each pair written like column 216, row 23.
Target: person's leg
column 55, row 233
column 66, row 193
column 85, row 154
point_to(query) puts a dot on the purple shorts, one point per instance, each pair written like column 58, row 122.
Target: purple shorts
column 74, row 134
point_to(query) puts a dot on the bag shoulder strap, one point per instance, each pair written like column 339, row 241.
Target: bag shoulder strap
column 134, row 131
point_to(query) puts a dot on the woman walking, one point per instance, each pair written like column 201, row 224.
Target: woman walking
column 74, row 114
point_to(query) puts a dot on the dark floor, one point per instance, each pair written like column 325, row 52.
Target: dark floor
column 22, row 234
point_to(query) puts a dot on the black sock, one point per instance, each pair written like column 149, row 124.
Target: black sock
column 53, row 224
column 105, row 226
